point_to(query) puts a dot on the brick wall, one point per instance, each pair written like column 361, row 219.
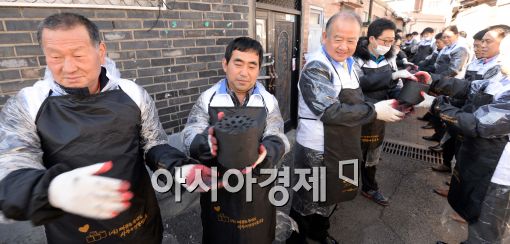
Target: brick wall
column 175, row 61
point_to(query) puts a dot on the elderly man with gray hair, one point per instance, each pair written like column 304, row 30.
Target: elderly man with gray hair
column 331, row 111
column 75, row 145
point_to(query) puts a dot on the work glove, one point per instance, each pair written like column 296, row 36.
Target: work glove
column 260, row 159
column 83, row 192
column 197, row 176
column 385, row 111
column 423, row 77
column 402, row 74
column 427, row 102
column 405, row 62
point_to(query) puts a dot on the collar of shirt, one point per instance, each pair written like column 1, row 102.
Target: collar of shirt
column 451, row 46
column 489, row 60
column 377, row 60
column 225, row 89
column 102, row 79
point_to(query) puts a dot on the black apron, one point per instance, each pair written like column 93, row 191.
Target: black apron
column 231, row 219
column 372, row 134
column 442, row 63
column 79, row 131
column 477, row 159
column 342, row 143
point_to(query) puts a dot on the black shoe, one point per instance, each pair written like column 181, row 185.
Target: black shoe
column 427, row 127
column 329, row 240
column 441, row 168
column 423, row 118
column 431, row 138
column 441, row 242
column 437, row 148
column 441, row 192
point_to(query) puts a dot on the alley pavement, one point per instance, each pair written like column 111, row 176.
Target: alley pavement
column 415, row 215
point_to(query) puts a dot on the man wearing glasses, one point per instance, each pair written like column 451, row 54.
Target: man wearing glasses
column 379, row 80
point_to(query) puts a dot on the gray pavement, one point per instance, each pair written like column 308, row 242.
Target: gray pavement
column 415, row 214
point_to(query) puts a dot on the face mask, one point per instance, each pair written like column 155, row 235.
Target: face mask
column 381, row 49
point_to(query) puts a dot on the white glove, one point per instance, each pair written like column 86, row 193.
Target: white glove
column 405, row 62
column 196, row 176
column 427, row 102
column 82, row 192
column 386, row 112
column 402, row 74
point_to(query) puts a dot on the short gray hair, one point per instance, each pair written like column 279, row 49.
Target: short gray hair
column 67, row 21
column 344, row 14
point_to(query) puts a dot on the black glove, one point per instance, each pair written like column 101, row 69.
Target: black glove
column 199, row 148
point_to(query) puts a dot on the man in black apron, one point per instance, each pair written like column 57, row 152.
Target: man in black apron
column 425, row 47
column 480, row 185
column 375, row 63
column 427, row 64
column 55, row 135
column 232, row 219
column 451, row 62
column 485, row 68
column 331, row 111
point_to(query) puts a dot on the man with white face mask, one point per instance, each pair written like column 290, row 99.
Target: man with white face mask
column 375, row 64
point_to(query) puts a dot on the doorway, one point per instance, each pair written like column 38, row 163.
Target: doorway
column 278, row 33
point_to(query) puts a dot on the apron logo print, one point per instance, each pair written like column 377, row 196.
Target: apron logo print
column 341, row 175
column 217, row 208
column 96, row 236
column 84, row 228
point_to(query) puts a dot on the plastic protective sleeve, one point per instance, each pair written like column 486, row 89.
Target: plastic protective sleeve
column 493, row 224
column 316, row 87
column 23, row 179
column 488, row 121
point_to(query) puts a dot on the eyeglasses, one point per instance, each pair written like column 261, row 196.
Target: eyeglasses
column 387, row 42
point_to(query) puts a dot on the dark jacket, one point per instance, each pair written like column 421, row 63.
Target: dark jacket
column 375, row 77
